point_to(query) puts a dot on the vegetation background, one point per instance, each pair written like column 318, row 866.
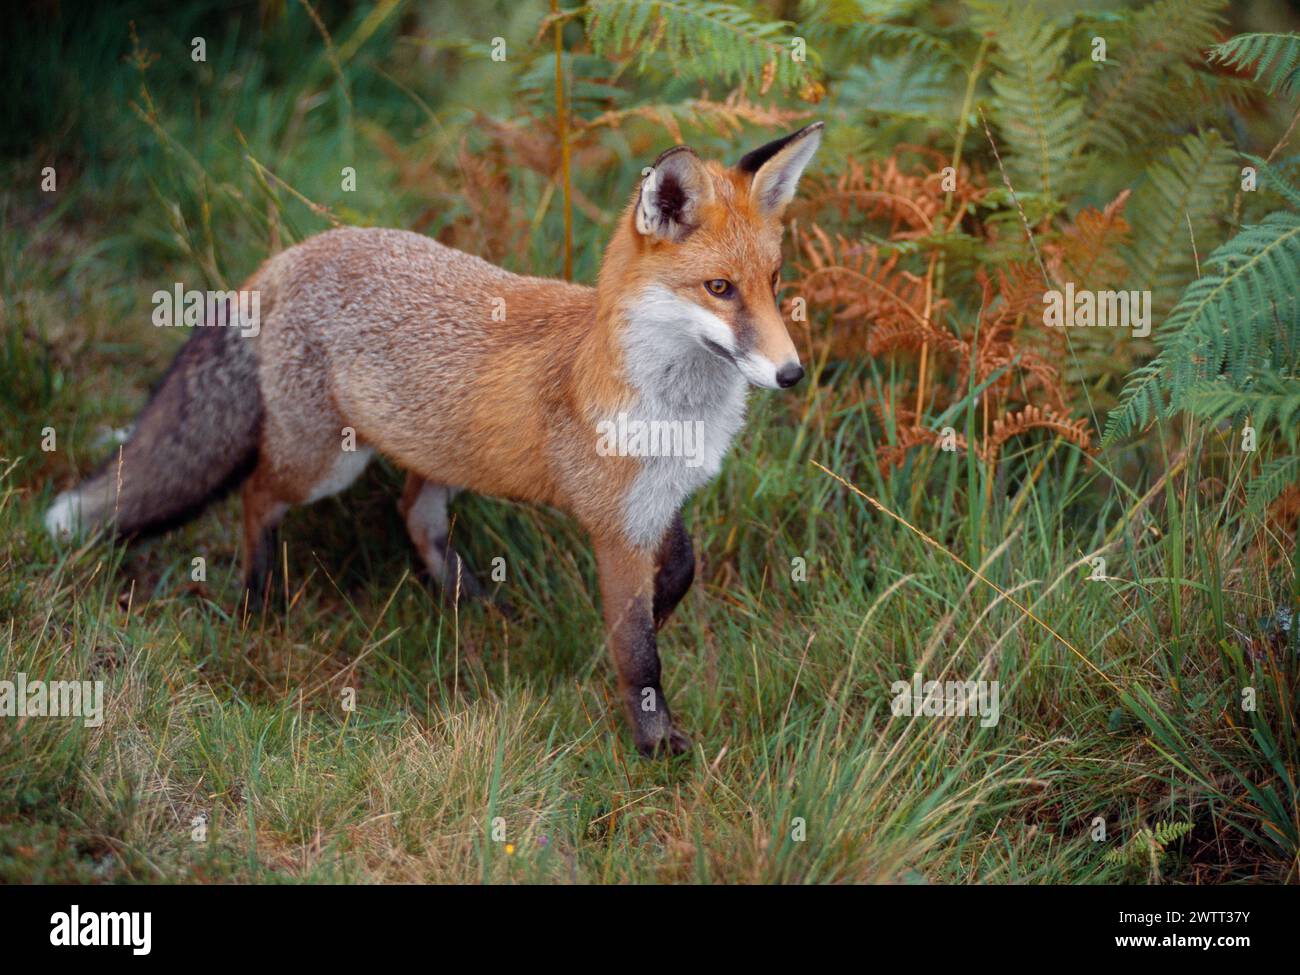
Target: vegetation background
column 1125, row 685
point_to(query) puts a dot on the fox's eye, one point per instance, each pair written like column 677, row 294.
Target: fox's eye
column 719, row 287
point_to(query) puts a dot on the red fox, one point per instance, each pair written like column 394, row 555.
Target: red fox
column 472, row 378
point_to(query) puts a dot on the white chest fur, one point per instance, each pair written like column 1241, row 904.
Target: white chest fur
column 690, row 405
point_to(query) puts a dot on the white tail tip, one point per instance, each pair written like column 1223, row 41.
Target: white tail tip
column 63, row 520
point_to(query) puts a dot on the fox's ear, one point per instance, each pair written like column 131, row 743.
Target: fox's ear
column 777, row 166
column 672, row 191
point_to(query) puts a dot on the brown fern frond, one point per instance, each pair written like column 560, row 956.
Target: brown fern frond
column 1019, row 293
column 883, row 192
column 1041, row 374
column 1034, row 417
column 1088, row 250
column 1284, row 513
column 890, row 456
column 895, row 412
column 877, row 299
column 898, row 336
column 858, row 287
column 908, row 196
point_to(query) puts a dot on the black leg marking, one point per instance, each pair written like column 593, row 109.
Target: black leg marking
column 638, row 659
column 675, row 571
column 263, row 579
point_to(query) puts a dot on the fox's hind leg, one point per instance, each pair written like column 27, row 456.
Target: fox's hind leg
column 424, row 506
column 263, row 512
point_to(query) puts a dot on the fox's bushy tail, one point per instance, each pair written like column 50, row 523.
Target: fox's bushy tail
column 195, row 440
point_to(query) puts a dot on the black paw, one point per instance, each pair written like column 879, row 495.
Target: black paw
column 665, row 746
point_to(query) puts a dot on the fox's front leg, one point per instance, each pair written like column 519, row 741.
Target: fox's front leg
column 674, row 570
column 627, row 587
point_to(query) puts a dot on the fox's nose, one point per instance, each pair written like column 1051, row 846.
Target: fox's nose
column 789, row 374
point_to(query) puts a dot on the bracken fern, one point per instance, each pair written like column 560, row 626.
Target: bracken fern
column 1183, row 189
column 703, row 41
column 1230, row 344
column 1040, row 120
column 1152, row 55
column 1274, row 58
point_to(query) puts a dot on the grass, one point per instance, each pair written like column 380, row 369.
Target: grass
column 487, row 749
column 465, row 717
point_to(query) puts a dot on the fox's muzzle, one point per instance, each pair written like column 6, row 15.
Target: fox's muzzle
column 789, row 374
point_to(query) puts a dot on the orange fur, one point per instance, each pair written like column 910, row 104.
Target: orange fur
column 471, row 377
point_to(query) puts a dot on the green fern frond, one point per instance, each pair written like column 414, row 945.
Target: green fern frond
column 849, row 27
column 1039, row 121
column 1188, row 184
column 1147, row 846
column 592, row 89
column 881, row 9
column 1275, row 477
column 1148, row 62
column 703, row 41
column 1248, row 282
column 1206, row 100
column 1237, row 325
column 1140, row 403
column 1271, row 401
column 1170, row 832
column 1120, row 857
column 903, row 86
column 1273, row 179
column 1274, row 58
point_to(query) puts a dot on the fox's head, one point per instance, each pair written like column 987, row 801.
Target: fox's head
column 697, row 264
